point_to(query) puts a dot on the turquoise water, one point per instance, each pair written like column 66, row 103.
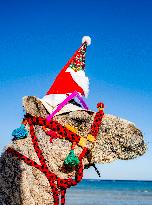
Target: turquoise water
column 110, row 192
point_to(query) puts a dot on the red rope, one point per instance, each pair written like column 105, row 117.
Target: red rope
column 63, row 184
column 63, row 192
column 61, row 132
column 54, row 126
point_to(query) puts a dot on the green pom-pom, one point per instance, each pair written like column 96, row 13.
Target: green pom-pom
column 71, row 159
column 20, row 133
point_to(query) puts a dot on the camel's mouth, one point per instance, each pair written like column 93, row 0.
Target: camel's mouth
column 134, row 145
column 132, row 152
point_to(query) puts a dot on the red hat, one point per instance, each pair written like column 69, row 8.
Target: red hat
column 71, row 78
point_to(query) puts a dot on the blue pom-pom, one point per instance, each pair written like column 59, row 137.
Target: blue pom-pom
column 20, row 133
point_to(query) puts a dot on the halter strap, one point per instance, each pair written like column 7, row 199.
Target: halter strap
column 63, row 184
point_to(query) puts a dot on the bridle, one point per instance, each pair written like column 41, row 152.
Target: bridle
column 59, row 131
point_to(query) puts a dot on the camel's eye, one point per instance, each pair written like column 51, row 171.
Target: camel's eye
column 107, row 130
column 78, row 122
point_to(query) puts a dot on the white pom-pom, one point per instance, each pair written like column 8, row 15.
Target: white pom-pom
column 86, row 39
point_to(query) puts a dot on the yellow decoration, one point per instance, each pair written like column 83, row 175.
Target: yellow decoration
column 82, row 142
column 72, row 129
column 91, row 138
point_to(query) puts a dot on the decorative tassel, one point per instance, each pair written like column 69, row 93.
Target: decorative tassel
column 71, row 159
column 20, row 133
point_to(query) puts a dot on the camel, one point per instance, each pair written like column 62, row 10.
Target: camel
column 22, row 184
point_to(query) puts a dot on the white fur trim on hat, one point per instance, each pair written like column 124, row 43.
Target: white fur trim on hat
column 81, row 79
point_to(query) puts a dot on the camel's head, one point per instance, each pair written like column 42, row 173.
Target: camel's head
column 117, row 138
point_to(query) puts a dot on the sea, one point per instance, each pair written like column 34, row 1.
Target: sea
column 110, row 192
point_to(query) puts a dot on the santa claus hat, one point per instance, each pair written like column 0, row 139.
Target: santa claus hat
column 71, row 78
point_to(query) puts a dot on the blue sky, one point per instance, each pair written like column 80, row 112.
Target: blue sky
column 38, row 37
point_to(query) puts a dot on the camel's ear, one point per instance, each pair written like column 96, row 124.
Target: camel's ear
column 34, row 106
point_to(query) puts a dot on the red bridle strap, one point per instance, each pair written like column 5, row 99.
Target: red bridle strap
column 62, row 131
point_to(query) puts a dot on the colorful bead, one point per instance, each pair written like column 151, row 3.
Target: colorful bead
column 100, row 106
